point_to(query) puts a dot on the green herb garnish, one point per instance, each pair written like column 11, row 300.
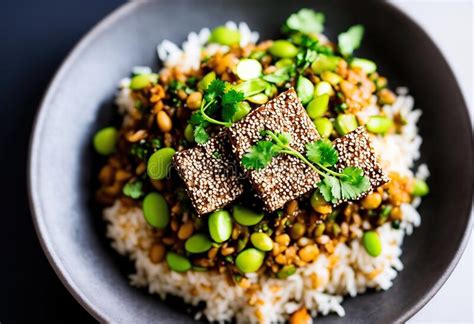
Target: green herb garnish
column 280, row 76
column 199, row 128
column 349, row 41
column 306, row 21
column 215, row 96
column 320, row 156
column 305, row 58
column 133, row 189
column 322, row 152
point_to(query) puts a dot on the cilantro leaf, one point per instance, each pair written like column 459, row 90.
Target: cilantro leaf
column 305, row 21
column 305, row 58
column 260, row 155
column 200, row 134
column 215, row 89
column 353, row 183
column 197, row 119
column 352, row 174
column 230, row 99
column 322, row 152
column 199, row 128
column 228, row 112
column 330, row 188
column 350, row 40
column 133, row 189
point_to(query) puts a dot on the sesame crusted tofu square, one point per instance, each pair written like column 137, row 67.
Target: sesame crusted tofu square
column 210, row 173
column 286, row 177
column 355, row 149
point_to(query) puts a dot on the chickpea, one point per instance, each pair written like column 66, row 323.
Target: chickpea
column 386, row 97
column 323, row 209
column 164, row 121
column 372, row 200
column 308, row 253
column 291, row 207
column 156, row 253
column 194, row 100
column 283, row 239
column 186, row 230
column 297, row 230
column 136, row 136
column 396, row 213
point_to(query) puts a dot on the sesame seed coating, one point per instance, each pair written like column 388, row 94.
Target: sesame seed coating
column 210, row 173
column 355, row 149
column 286, row 177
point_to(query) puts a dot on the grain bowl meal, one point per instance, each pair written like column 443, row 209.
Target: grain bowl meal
column 262, row 181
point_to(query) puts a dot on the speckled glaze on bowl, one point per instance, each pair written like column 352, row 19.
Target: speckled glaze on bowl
column 62, row 164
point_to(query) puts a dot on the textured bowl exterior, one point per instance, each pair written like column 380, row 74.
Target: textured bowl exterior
column 79, row 101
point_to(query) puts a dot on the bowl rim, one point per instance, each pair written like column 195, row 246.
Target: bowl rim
column 35, row 139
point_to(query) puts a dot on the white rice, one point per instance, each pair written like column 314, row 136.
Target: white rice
column 319, row 286
column 188, row 57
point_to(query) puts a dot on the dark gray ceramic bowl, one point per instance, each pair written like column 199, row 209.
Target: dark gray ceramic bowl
column 62, row 165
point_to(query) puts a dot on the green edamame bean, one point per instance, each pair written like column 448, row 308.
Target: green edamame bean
column 198, row 243
column 323, row 87
column 324, row 63
column 304, row 89
column 318, row 106
column 251, row 87
column 225, row 36
column 249, row 260
column 159, row 163
column 177, row 262
column 259, row 99
column 271, row 90
column 141, row 81
column 345, row 123
column 189, row 133
column 245, row 216
column 206, row 80
column 261, row 241
column 284, row 63
column 155, row 210
column 257, row 55
column 105, row 140
column 379, row 124
column 284, row 49
column 286, row 271
column 372, row 244
column 366, row 65
column 241, row 110
column 248, row 69
column 323, row 126
column 317, row 200
column 420, row 188
column 220, row 225
column 198, row 268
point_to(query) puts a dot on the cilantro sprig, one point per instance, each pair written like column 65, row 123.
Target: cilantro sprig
column 133, row 189
column 199, row 128
column 350, row 40
column 320, row 156
column 217, row 95
column 305, row 21
column 216, row 99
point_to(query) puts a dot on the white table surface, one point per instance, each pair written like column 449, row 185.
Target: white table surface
column 445, row 21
